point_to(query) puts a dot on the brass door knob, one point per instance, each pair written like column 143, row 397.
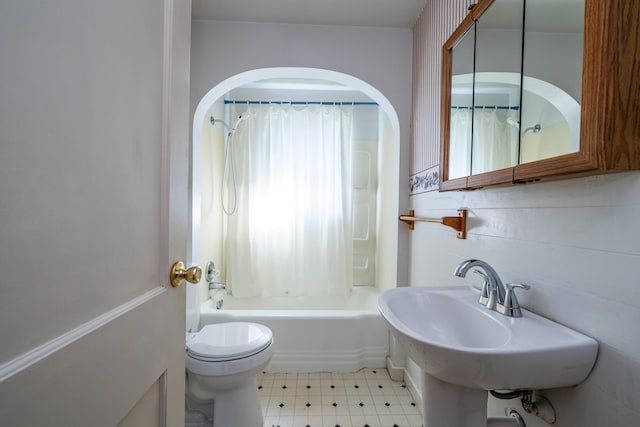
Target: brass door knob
column 180, row 273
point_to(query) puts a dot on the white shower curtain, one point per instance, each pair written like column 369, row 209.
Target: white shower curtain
column 492, row 145
column 291, row 234
column 460, row 143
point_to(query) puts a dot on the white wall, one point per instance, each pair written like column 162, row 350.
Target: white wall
column 576, row 242
column 381, row 57
column 211, row 221
column 387, row 224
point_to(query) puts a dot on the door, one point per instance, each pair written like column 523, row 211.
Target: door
column 94, row 149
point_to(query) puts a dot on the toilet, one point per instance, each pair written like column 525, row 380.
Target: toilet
column 222, row 361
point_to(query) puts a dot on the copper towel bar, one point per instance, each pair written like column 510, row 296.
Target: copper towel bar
column 458, row 223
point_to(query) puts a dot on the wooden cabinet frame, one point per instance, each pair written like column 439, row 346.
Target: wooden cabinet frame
column 610, row 110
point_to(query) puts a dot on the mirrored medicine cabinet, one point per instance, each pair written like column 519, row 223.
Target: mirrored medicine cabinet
column 538, row 89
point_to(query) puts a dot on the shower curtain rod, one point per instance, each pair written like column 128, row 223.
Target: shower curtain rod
column 226, row 101
column 485, row 107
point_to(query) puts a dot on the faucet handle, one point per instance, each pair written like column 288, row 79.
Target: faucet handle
column 484, row 293
column 511, row 306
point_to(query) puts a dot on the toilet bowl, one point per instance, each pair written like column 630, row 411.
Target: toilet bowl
column 222, row 361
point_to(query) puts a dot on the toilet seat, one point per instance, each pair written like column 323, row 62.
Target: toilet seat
column 228, row 341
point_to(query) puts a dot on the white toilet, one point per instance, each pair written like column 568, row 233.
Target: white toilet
column 222, row 361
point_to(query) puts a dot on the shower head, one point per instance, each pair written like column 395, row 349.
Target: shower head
column 513, row 122
column 241, row 117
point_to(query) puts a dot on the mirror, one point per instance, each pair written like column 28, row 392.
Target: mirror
column 461, row 105
column 552, row 85
column 496, row 101
column 521, row 96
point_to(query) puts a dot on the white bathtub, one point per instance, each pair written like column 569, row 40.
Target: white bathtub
column 312, row 334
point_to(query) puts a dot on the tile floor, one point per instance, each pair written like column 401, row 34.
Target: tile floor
column 367, row 398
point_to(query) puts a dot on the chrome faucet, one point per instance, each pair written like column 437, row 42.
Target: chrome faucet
column 511, row 306
column 493, row 288
column 494, row 295
column 217, row 285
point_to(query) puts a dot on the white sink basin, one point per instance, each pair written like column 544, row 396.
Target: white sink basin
column 458, row 341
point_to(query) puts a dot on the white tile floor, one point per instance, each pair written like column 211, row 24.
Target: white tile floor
column 368, row 398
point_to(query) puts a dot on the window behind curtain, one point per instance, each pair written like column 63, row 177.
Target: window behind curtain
column 292, row 233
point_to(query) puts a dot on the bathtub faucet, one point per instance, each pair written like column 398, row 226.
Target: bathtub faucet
column 217, row 285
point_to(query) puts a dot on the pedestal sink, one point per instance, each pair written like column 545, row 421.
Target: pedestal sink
column 464, row 349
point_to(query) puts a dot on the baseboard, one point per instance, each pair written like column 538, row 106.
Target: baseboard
column 415, row 389
column 401, row 373
column 397, row 373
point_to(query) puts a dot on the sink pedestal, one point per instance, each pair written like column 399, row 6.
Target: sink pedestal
column 452, row 405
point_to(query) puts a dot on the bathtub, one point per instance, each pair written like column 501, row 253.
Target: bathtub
column 313, row 334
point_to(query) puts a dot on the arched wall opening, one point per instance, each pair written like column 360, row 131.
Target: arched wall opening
column 388, row 165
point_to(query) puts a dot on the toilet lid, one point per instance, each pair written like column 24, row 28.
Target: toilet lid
column 224, row 341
